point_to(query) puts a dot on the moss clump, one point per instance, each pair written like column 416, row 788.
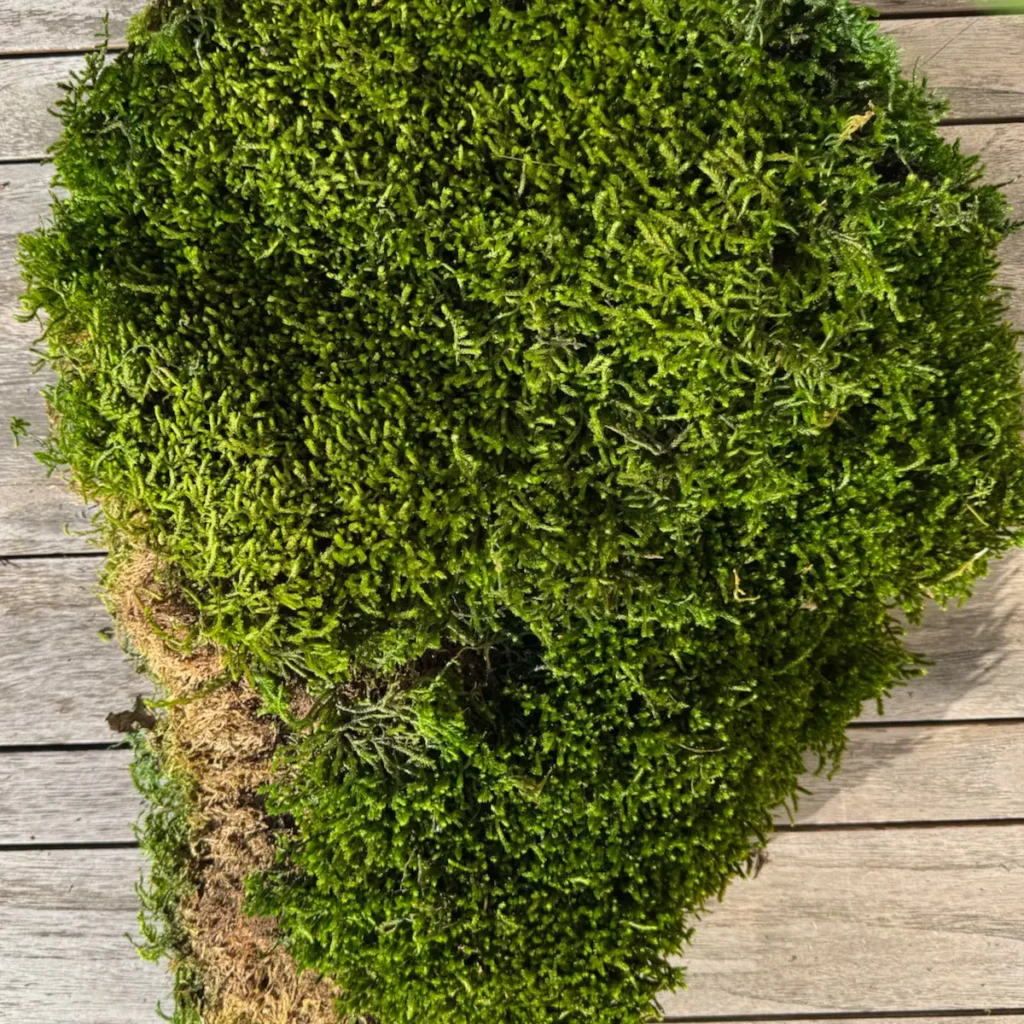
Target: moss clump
column 165, row 840
column 568, row 393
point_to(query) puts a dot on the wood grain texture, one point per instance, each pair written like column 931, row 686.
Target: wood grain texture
column 48, row 26
column 918, row 774
column 64, row 954
column 29, row 89
column 866, row 921
column 978, row 654
column 58, row 679
column 862, row 921
column 84, row 796
column 38, row 514
column 898, row 774
column 974, row 61
column 942, row 8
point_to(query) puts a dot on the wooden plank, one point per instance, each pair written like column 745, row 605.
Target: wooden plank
column 978, row 651
column 82, row 796
column 939, row 8
column 32, row 26
column 974, row 62
column 29, row 88
column 49, row 26
column 920, row 774
column 58, row 679
column 64, row 954
column 35, row 26
column 898, row 774
column 34, row 508
column 887, row 920
column 862, row 922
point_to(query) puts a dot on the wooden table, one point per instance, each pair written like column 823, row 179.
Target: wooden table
column 899, row 890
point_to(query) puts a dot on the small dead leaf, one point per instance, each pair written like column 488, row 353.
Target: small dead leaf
column 855, row 123
column 139, row 717
column 738, row 593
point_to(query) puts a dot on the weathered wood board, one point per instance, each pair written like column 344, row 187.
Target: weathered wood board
column 65, row 957
column 54, row 797
column 871, row 921
column 34, row 508
column 899, row 774
column 978, row 654
column 34, row 26
column 881, row 921
column 956, row 54
column 974, row 62
column 919, row 774
column 49, row 26
column 58, row 679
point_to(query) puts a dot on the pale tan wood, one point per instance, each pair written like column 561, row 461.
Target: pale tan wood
column 82, row 796
column 861, row 921
column 65, row 957
column 975, row 62
column 918, row 774
column 978, row 650
column 58, row 679
column 48, row 26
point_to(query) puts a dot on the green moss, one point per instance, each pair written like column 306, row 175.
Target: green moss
column 651, row 347
column 165, row 841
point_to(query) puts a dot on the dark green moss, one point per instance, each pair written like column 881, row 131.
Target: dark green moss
column 651, row 346
column 165, row 841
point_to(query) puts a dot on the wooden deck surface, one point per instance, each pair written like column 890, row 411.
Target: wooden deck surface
column 899, row 890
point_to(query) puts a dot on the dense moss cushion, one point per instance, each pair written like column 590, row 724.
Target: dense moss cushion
column 568, row 391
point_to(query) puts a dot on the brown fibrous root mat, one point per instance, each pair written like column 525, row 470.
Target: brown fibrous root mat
column 217, row 738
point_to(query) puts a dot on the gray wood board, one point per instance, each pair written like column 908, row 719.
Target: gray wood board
column 36, row 26
column 899, row 774
column 888, row 920
column 53, row 797
column 48, row 26
column 919, row 774
column 65, row 957
column 943, row 8
column 34, row 508
column 978, row 654
column 891, row 920
column 974, row 61
column 58, row 679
